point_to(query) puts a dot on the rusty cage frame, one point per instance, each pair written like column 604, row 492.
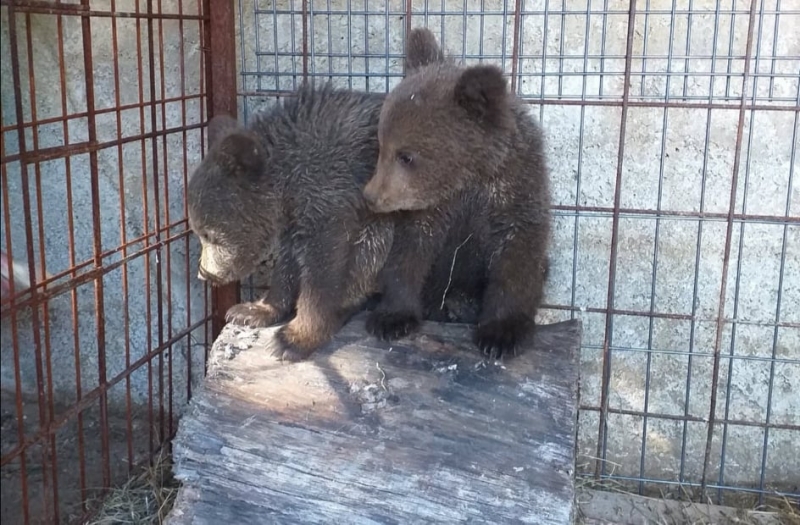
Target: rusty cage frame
column 204, row 45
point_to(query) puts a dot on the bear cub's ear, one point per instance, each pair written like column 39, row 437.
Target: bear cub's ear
column 243, row 153
column 422, row 49
column 219, row 126
column 482, row 91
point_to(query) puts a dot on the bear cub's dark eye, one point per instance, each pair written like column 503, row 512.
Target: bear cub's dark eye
column 404, row 158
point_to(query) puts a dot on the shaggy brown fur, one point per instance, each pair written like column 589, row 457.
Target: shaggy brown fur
column 462, row 166
column 293, row 179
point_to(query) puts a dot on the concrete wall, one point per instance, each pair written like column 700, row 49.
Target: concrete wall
column 672, row 160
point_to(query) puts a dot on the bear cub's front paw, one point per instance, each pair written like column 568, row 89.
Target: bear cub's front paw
column 296, row 341
column 503, row 337
column 391, row 325
column 254, row 315
column 287, row 351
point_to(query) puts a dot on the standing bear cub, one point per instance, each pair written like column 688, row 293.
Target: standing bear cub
column 462, row 166
column 292, row 181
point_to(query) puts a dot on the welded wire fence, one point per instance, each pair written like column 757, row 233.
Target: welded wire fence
column 672, row 131
column 104, row 324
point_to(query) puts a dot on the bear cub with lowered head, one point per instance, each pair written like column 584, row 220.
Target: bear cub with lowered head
column 290, row 183
column 462, row 166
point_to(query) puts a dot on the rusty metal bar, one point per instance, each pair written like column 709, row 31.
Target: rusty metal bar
column 145, row 224
column 304, row 14
column 66, row 116
column 59, row 8
column 664, row 315
column 90, row 275
column 165, row 413
column 784, row 497
column 123, row 235
column 609, row 327
column 50, row 449
column 142, row 239
column 97, row 248
column 156, row 215
column 205, row 67
column 35, row 321
column 221, row 89
column 79, row 148
column 693, row 419
column 73, row 272
column 15, row 336
column 186, row 247
column 737, row 158
column 516, row 44
column 408, row 6
column 660, row 104
column 615, row 103
column 676, row 214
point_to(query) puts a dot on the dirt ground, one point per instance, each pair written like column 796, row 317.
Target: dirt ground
column 68, row 460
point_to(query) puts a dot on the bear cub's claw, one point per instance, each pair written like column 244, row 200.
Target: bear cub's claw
column 253, row 315
column 498, row 338
column 387, row 326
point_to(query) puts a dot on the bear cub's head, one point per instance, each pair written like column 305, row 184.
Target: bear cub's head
column 233, row 206
column 440, row 128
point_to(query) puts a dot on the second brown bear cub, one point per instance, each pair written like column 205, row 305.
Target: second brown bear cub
column 462, row 163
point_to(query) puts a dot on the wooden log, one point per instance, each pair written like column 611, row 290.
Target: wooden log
column 423, row 430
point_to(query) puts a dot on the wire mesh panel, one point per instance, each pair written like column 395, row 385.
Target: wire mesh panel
column 104, row 324
column 672, row 131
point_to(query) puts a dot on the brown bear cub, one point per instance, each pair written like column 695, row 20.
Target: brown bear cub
column 462, row 166
column 292, row 181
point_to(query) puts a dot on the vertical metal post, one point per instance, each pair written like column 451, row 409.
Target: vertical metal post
column 221, row 85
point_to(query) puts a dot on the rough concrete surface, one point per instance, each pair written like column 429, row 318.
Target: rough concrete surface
column 598, row 507
column 679, row 161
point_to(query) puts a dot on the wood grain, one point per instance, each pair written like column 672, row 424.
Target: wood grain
column 419, row 431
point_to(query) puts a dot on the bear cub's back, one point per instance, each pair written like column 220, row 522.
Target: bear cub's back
column 322, row 138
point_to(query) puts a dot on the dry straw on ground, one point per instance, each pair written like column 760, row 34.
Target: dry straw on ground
column 146, row 498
